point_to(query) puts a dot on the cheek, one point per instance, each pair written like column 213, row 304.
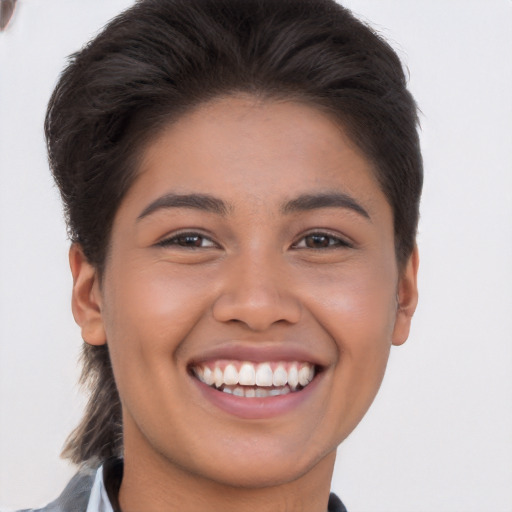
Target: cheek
column 151, row 310
column 357, row 305
column 358, row 314
column 357, row 309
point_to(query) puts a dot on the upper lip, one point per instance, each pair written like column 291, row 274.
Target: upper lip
column 258, row 352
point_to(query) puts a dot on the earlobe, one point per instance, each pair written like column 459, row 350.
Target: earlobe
column 407, row 296
column 86, row 297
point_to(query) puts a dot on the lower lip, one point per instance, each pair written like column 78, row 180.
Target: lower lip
column 257, row 407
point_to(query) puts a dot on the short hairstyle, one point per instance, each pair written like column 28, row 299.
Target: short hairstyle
column 161, row 58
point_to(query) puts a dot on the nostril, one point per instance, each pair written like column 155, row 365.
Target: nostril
column 257, row 312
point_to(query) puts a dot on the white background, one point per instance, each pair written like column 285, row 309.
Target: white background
column 439, row 436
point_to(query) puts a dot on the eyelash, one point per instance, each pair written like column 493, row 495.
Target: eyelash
column 178, row 237
column 338, row 242
column 175, row 240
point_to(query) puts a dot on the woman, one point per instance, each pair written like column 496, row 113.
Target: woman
column 241, row 182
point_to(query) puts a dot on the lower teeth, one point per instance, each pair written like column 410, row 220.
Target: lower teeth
column 254, row 391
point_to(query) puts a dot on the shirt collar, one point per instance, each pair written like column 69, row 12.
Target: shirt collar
column 98, row 501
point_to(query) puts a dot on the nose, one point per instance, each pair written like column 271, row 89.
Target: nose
column 257, row 294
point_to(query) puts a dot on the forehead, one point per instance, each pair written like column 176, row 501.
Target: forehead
column 256, row 151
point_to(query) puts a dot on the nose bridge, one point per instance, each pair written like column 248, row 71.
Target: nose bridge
column 255, row 292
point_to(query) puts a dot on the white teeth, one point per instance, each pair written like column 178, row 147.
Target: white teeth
column 199, row 372
column 293, row 377
column 280, row 377
column 218, row 377
column 262, row 392
column 208, row 376
column 264, row 375
column 238, row 391
column 252, row 392
column 279, row 391
column 230, row 375
column 247, row 375
column 256, row 379
column 306, row 374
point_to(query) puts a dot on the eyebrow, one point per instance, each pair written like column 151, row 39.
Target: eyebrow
column 203, row 202
column 208, row 203
column 329, row 200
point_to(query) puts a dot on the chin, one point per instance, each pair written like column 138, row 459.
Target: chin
column 262, row 473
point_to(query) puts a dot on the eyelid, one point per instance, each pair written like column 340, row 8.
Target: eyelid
column 344, row 242
column 169, row 239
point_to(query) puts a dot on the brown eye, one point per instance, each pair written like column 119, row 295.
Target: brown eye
column 188, row 240
column 317, row 241
column 320, row 241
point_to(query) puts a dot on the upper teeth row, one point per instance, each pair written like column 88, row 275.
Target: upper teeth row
column 261, row 374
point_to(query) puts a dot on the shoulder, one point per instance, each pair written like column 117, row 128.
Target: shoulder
column 75, row 496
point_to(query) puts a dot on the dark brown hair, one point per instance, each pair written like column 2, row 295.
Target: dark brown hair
column 159, row 59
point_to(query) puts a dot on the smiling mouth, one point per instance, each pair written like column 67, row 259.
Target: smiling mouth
column 255, row 380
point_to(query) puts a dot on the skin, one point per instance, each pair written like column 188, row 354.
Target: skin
column 254, row 276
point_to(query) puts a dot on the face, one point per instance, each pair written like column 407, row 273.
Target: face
column 251, row 293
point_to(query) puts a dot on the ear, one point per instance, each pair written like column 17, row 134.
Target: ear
column 86, row 297
column 407, row 297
